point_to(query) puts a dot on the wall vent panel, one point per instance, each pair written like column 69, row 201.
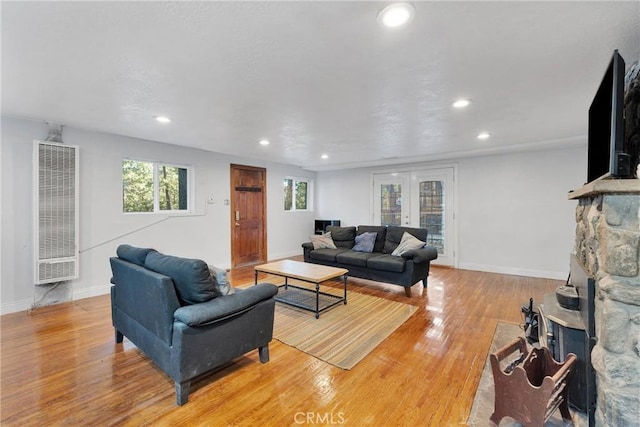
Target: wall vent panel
column 56, row 213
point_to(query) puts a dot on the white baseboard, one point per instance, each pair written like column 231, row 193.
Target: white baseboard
column 93, row 291
column 14, row 306
column 285, row 254
column 544, row 274
column 26, row 304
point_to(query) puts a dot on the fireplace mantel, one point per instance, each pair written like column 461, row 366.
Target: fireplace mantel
column 606, row 186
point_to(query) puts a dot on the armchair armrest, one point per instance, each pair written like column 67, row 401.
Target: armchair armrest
column 223, row 307
column 307, row 245
column 418, row 256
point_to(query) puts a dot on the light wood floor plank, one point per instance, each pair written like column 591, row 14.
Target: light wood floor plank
column 60, row 365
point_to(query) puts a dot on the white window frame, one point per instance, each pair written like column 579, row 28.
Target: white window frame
column 156, row 182
column 309, row 194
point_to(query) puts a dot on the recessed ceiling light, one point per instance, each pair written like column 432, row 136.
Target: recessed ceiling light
column 162, row 119
column 324, row 156
column 461, row 103
column 264, row 142
column 396, row 15
column 483, row 135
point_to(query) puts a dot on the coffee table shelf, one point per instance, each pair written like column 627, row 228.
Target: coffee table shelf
column 308, row 299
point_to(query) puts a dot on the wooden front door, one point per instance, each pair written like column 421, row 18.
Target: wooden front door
column 248, row 215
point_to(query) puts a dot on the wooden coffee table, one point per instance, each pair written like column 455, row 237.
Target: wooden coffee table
column 305, row 298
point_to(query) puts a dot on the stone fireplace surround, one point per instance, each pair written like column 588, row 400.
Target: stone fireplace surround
column 608, row 245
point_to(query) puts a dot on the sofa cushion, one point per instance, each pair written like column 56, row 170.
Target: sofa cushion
column 365, row 242
column 408, row 243
column 343, row 237
column 394, row 236
column 386, row 262
column 133, row 254
column 381, row 233
column 354, row 258
column 322, row 241
column 326, row 254
column 191, row 277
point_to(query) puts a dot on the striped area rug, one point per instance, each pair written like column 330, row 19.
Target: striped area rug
column 344, row 334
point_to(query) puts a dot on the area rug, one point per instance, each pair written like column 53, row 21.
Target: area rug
column 483, row 402
column 344, row 334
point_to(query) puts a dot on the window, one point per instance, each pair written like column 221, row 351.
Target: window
column 154, row 187
column 297, row 194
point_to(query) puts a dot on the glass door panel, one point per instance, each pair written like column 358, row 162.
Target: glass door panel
column 389, row 205
column 432, row 209
column 433, row 199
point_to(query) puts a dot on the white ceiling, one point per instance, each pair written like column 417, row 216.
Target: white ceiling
column 316, row 77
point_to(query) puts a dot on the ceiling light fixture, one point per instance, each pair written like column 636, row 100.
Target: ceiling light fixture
column 396, row 15
column 324, row 156
column 264, row 142
column 162, row 119
column 461, row 103
column 483, row 135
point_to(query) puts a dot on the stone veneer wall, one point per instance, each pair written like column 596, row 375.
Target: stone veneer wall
column 607, row 243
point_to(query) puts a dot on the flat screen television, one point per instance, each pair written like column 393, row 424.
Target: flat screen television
column 607, row 156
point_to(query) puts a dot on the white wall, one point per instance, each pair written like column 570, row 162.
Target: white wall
column 204, row 234
column 513, row 215
column 513, row 212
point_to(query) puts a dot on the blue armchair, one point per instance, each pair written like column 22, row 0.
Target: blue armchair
column 171, row 309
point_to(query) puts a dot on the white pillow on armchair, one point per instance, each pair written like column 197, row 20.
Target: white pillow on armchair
column 220, row 283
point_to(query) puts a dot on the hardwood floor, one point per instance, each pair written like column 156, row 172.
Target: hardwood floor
column 61, row 366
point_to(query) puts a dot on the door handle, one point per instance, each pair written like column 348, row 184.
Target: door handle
column 237, row 224
column 237, row 216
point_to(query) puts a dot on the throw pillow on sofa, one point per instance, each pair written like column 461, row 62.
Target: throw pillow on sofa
column 381, row 235
column 221, row 285
column 408, row 243
column 365, row 242
column 322, row 241
column 395, row 233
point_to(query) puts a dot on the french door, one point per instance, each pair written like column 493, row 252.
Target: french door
column 422, row 198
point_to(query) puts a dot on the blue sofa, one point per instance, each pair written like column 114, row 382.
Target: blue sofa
column 379, row 264
column 172, row 310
